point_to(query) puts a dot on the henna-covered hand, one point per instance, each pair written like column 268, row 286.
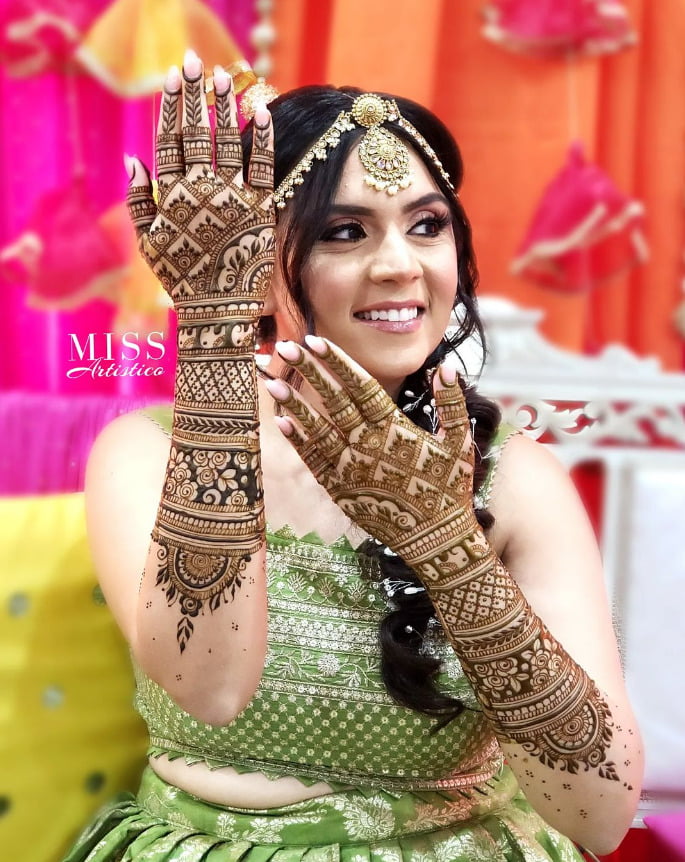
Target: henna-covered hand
column 210, row 237
column 406, row 487
column 413, row 491
column 210, row 241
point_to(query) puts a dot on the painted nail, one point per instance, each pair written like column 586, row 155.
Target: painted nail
column 192, row 65
column 284, row 424
column 172, row 82
column 261, row 115
column 448, row 375
column 289, row 351
column 316, row 344
column 278, row 389
column 130, row 166
column 222, row 81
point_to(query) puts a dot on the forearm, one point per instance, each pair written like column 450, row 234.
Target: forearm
column 576, row 753
column 202, row 608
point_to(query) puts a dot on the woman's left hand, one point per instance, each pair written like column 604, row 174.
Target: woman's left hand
column 407, row 488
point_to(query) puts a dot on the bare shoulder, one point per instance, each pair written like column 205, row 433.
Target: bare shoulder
column 124, row 478
column 532, row 492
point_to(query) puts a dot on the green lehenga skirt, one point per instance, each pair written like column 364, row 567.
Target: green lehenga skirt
column 166, row 824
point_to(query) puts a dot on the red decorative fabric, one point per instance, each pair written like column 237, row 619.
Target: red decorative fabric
column 584, row 230
column 558, row 26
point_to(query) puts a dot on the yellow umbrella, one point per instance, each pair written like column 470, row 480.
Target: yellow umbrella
column 131, row 45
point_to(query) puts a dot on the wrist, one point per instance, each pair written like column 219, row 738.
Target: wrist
column 212, row 334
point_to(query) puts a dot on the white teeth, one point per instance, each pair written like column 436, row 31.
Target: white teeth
column 391, row 314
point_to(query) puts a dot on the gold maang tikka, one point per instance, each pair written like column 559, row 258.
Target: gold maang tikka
column 385, row 157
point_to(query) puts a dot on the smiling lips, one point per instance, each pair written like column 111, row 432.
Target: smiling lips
column 393, row 314
column 402, row 319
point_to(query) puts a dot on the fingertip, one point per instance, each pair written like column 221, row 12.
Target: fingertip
column 278, row 389
column 222, row 80
column 289, row 350
column 192, row 65
column 316, row 344
column 262, row 116
column 448, row 375
column 172, row 82
column 285, row 426
column 130, row 165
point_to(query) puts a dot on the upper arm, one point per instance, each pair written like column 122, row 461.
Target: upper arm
column 124, row 478
column 547, row 542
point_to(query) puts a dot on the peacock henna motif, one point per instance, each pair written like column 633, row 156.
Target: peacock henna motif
column 210, row 241
column 413, row 491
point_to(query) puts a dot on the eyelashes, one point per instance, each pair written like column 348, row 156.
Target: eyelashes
column 353, row 231
column 350, row 231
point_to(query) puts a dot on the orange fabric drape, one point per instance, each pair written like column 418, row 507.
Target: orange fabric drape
column 514, row 117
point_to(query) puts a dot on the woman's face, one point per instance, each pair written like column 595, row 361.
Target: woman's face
column 382, row 277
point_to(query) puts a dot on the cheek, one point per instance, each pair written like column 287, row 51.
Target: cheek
column 328, row 292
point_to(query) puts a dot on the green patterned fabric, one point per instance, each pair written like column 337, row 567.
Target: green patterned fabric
column 165, row 824
column 321, row 711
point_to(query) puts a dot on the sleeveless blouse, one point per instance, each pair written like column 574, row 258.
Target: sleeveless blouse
column 321, row 711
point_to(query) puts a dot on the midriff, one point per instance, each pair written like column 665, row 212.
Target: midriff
column 225, row 786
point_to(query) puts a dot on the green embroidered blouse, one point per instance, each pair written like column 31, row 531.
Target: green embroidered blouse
column 321, row 711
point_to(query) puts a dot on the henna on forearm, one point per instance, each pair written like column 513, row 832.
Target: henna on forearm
column 211, row 244
column 531, row 690
column 413, row 491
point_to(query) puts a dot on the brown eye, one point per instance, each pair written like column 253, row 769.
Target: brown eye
column 349, row 232
column 431, row 225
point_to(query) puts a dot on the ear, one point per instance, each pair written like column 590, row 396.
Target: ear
column 273, row 300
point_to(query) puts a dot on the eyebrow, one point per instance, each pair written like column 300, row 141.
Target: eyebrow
column 354, row 209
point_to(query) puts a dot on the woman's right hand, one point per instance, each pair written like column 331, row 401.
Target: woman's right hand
column 210, row 236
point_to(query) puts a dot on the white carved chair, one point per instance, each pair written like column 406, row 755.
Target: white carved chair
column 627, row 415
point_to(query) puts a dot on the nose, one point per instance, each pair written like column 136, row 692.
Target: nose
column 395, row 260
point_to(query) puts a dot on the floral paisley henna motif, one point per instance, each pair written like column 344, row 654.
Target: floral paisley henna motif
column 210, row 241
column 413, row 491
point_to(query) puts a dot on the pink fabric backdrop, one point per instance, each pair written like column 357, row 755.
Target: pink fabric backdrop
column 37, row 151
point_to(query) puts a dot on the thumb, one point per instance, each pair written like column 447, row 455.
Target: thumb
column 141, row 205
column 450, row 404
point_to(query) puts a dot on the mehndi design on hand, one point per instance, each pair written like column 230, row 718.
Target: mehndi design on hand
column 210, row 241
column 413, row 491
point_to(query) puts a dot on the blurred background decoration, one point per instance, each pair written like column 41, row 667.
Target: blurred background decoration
column 583, row 231
column 130, row 46
column 573, row 142
column 558, row 26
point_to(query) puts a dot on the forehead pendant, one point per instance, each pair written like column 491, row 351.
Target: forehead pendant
column 384, row 155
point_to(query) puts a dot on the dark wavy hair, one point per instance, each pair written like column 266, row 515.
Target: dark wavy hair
column 300, row 117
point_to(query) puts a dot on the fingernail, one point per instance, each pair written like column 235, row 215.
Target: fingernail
column 316, row 344
column 261, row 115
column 284, row 424
column 278, row 389
column 130, row 166
column 192, row 65
column 289, row 351
column 172, row 82
column 222, row 80
column 448, row 375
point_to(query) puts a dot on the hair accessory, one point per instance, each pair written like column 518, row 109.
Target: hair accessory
column 384, row 156
column 408, row 588
column 258, row 92
column 472, row 420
